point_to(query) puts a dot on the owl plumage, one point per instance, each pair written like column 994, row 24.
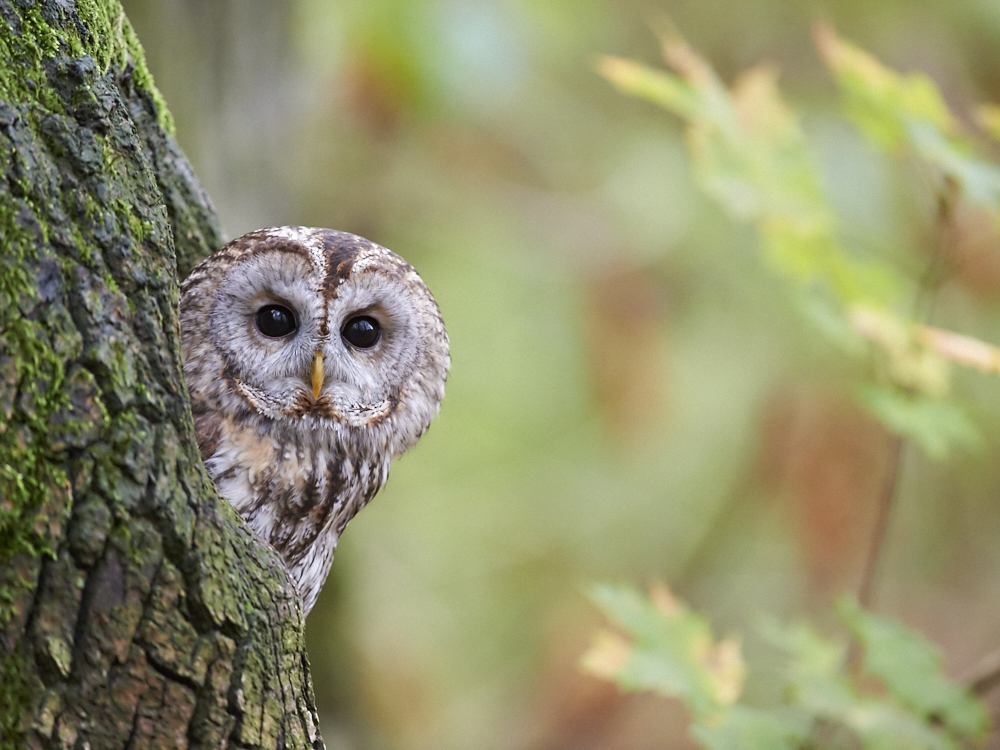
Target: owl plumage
column 314, row 358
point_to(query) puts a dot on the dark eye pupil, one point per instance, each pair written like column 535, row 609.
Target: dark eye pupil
column 276, row 321
column 362, row 332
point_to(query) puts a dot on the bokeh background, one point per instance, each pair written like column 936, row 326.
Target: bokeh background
column 633, row 397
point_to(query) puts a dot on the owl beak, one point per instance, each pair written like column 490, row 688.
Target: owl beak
column 318, row 373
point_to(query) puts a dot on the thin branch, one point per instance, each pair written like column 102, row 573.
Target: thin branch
column 931, row 281
column 934, row 276
column 885, row 503
column 886, row 498
column 940, row 265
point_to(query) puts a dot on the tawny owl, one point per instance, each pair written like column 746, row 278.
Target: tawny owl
column 314, row 358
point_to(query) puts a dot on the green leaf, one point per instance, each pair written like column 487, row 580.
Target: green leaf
column 979, row 179
column 813, row 669
column 910, row 667
column 747, row 728
column 672, row 651
column 882, row 726
column 821, row 689
column 750, row 154
column 657, row 86
column 898, row 111
column 935, row 425
column 808, row 254
column 882, row 102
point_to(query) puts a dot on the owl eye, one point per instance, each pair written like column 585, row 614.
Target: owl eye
column 275, row 321
column 362, row 332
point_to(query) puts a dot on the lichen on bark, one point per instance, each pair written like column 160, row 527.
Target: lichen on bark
column 136, row 609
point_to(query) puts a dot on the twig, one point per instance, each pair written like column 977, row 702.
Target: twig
column 886, row 499
column 932, row 279
column 940, row 265
column 885, row 502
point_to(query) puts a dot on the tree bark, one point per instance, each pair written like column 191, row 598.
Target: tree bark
column 136, row 608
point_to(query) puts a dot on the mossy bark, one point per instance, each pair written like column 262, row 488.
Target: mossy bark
column 136, row 609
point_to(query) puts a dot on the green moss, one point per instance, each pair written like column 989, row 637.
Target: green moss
column 110, row 281
column 103, row 18
column 111, row 38
column 34, row 490
column 25, row 80
column 115, row 39
column 26, row 474
column 137, row 226
column 35, row 28
column 15, row 694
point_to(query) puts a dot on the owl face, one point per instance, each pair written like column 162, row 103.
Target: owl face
column 314, row 329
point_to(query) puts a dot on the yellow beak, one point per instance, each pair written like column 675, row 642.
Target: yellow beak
column 318, row 372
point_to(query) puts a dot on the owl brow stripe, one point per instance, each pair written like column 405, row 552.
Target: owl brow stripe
column 343, row 250
column 277, row 245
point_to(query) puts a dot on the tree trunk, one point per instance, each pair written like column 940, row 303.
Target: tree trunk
column 136, row 608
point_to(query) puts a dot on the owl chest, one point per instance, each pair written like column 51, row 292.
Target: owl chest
column 296, row 494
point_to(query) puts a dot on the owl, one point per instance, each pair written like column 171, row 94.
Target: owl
column 314, row 358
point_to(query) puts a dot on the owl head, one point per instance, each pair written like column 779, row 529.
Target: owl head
column 312, row 330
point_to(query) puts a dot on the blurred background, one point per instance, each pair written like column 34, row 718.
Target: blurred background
column 632, row 397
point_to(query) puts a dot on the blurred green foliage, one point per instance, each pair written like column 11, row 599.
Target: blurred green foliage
column 670, row 650
column 752, row 157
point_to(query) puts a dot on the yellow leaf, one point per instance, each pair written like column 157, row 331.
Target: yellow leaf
column 965, row 350
column 759, row 106
column 658, row 86
column 886, row 103
column 607, row 655
column 727, row 670
column 912, row 363
column 625, row 74
column 664, row 600
column 842, row 56
column 680, row 56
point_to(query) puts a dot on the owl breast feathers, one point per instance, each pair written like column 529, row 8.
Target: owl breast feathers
column 314, row 358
